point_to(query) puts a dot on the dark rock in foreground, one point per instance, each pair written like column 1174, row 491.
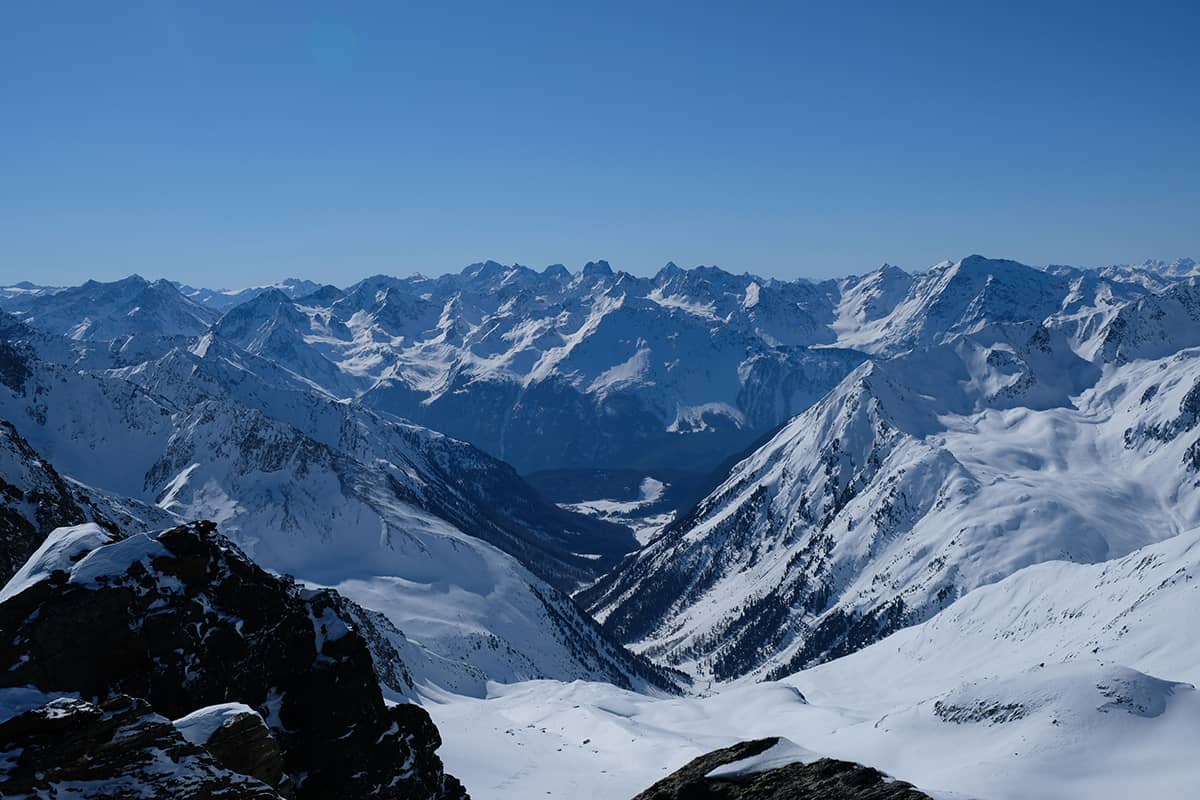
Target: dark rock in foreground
column 113, row 750
column 184, row 620
column 826, row 779
column 240, row 740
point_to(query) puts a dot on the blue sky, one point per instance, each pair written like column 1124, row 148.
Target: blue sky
column 235, row 143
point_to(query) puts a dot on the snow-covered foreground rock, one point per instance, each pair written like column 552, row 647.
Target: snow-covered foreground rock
column 1062, row 681
column 1086, row 732
column 106, row 639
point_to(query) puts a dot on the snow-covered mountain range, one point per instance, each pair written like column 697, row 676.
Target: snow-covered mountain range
column 917, row 480
column 738, row 480
column 597, row 369
column 450, row 543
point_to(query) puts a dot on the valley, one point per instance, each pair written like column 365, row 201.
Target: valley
column 598, row 525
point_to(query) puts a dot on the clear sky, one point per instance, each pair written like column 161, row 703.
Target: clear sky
column 234, row 143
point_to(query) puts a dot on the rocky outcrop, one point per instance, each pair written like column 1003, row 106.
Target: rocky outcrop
column 34, row 500
column 823, row 779
column 240, row 740
column 112, row 750
column 185, row 620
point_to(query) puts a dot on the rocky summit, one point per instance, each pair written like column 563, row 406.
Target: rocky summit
column 178, row 621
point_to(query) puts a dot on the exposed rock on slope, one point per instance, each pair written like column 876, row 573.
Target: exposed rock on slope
column 35, row 499
column 99, row 311
column 184, row 620
column 241, row 741
column 823, row 779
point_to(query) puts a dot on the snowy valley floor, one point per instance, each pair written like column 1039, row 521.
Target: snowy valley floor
column 588, row 740
column 1061, row 681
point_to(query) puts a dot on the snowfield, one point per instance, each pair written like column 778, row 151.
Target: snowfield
column 1063, row 681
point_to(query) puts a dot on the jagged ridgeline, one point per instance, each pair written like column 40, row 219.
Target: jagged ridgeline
column 925, row 475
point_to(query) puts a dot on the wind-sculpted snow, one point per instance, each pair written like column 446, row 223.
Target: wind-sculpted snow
column 1134, row 610
column 918, row 480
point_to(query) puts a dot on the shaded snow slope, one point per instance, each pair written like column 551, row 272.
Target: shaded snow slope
column 399, row 514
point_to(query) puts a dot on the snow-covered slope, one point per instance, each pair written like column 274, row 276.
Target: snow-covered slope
column 104, row 311
column 1062, row 681
column 224, row 299
column 1134, row 610
column 397, row 515
column 599, row 368
column 35, row 499
column 917, row 480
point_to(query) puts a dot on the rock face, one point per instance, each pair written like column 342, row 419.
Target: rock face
column 118, row 748
column 34, row 500
column 240, row 740
column 824, row 779
column 184, row 620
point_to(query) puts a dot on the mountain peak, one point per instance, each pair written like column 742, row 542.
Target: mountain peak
column 484, row 270
column 597, row 269
column 120, row 283
column 557, row 272
column 669, row 270
column 326, row 295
